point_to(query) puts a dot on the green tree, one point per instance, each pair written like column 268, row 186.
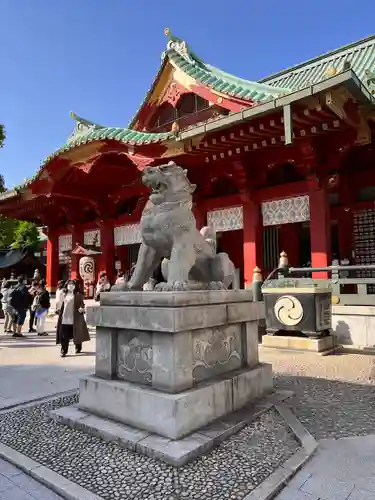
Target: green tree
column 26, row 234
column 2, row 135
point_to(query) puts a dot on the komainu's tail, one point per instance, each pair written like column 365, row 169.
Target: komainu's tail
column 209, row 235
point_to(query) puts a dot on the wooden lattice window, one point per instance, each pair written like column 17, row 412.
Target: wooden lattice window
column 190, row 103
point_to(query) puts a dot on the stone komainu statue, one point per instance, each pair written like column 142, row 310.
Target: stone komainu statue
column 169, row 232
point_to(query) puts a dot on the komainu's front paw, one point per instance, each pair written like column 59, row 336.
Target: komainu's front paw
column 176, row 286
column 121, row 287
column 216, row 285
column 163, row 287
column 180, row 286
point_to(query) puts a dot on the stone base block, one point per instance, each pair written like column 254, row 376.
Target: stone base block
column 178, row 452
column 174, row 416
column 299, row 343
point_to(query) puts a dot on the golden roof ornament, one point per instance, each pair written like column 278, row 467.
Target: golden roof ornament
column 331, row 71
column 175, row 128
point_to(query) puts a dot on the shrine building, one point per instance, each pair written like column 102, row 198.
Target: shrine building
column 285, row 163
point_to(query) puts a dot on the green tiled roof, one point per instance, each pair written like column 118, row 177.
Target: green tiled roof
column 92, row 132
column 86, row 132
column 360, row 55
column 216, row 79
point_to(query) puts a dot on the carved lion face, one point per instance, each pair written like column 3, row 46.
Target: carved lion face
column 167, row 181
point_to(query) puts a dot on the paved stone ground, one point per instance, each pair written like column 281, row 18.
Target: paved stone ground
column 230, row 471
column 334, row 398
column 15, row 485
column 342, row 469
column 334, row 395
column 31, row 368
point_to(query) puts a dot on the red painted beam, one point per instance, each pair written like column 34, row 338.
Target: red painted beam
column 281, row 191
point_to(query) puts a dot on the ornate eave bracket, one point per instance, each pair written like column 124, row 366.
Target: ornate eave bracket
column 341, row 104
column 82, row 127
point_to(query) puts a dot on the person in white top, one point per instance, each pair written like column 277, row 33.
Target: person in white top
column 71, row 324
column 120, row 278
column 59, row 296
column 7, row 308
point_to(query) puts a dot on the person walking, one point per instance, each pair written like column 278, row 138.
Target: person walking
column 20, row 300
column 59, row 296
column 71, row 324
column 33, row 290
column 7, row 308
column 41, row 305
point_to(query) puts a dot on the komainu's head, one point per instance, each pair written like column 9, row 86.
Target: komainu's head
column 168, row 183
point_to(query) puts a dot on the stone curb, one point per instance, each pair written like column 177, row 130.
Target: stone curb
column 55, row 482
column 20, row 403
column 269, row 488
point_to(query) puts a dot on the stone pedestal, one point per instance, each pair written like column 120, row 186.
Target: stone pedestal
column 169, row 363
column 321, row 346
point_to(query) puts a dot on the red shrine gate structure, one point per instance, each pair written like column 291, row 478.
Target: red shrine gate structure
column 286, row 163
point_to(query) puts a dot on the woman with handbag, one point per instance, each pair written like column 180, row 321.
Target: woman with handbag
column 71, row 324
column 41, row 304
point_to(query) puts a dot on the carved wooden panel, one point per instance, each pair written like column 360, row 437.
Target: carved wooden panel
column 226, row 219
column 65, row 242
column 286, row 211
column 129, row 234
column 92, row 238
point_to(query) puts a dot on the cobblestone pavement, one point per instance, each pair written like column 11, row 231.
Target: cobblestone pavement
column 334, row 395
column 31, row 368
column 229, row 472
column 15, row 485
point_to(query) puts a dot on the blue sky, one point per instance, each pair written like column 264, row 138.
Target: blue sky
column 98, row 58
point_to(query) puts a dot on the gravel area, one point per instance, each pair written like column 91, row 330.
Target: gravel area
column 228, row 472
column 334, row 395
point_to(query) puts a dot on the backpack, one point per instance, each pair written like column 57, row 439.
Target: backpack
column 17, row 299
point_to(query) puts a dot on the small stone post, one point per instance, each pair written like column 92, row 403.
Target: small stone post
column 283, row 265
column 257, row 285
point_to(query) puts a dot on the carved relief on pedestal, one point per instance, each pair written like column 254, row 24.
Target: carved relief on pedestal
column 216, row 350
column 134, row 357
column 102, row 348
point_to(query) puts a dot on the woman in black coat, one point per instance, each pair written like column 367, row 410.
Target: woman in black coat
column 71, row 324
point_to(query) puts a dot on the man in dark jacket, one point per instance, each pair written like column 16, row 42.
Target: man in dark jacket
column 20, row 300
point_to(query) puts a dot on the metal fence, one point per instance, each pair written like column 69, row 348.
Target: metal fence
column 347, row 287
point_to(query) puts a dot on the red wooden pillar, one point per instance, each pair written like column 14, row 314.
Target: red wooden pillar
column 107, row 245
column 52, row 272
column 252, row 240
column 77, row 239
column 320, row 231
